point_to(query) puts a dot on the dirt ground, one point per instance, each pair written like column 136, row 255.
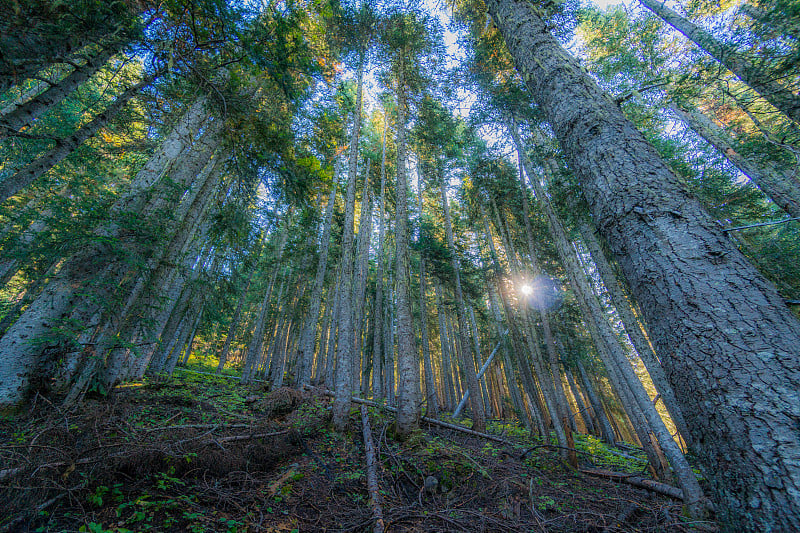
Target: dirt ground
column 207, row 454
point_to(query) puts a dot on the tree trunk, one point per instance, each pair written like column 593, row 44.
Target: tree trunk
column 64, row 297
column 26, row 112
column 727, row 340
column 378, row 362
column 345, row 349
column 255, row 347
column 431, row 400
column 634, row 328
column 444, row 343
column 783, row 189
column 603, row 333
column 308, row 336
column 223, row 356
column 756, row 78
column 408, row 386
column 64, row 147
column 465, row 354
column 583, row 409
column 360, row 282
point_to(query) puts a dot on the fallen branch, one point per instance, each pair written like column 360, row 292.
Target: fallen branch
column 372, row 473
column 637, row 481
column 197, row 426
column 435, row 422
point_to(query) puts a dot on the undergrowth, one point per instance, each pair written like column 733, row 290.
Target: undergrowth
column 203, row 453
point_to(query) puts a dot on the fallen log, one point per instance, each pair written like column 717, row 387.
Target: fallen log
column 11, row 472
column 644, row 483
column 372, row 473
column 433, row 421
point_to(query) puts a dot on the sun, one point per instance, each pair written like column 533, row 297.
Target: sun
column 526, row 290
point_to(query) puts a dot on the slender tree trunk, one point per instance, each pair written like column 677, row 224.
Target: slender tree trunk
column 64, row 147
column 223, row 356
column 255, row 347
column 378, row 359
column 757, row 78
column 727, row 340
column 546, row 378
column 431, row 400
column 583, row 409
column 444, row 343
column 613, row 354
column 360, row 282
column 26, row 112
column 345, row 349
column 389, row 348
column 783, row 189
column 465, row 357
column 307, row 337
column 333, row 334
column 634, row 328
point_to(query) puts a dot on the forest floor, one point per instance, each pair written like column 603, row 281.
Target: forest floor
column 200, row 453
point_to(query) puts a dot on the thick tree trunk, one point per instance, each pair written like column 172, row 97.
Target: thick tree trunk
column 757, row 78
column 346, row 349
column 309, row 333
column 783, row 189
column 64, row 147
column 408, row 386
column 727, row 341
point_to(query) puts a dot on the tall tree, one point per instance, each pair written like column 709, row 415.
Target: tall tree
column 758, row 78
column 733, row 379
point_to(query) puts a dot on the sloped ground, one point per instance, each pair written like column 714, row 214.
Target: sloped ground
column 202, row 453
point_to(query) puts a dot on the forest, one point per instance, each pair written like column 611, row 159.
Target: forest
column 399, row 265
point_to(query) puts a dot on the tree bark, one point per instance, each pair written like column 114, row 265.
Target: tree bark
column 346, row 349
column 727, row 341
column 408, row 386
